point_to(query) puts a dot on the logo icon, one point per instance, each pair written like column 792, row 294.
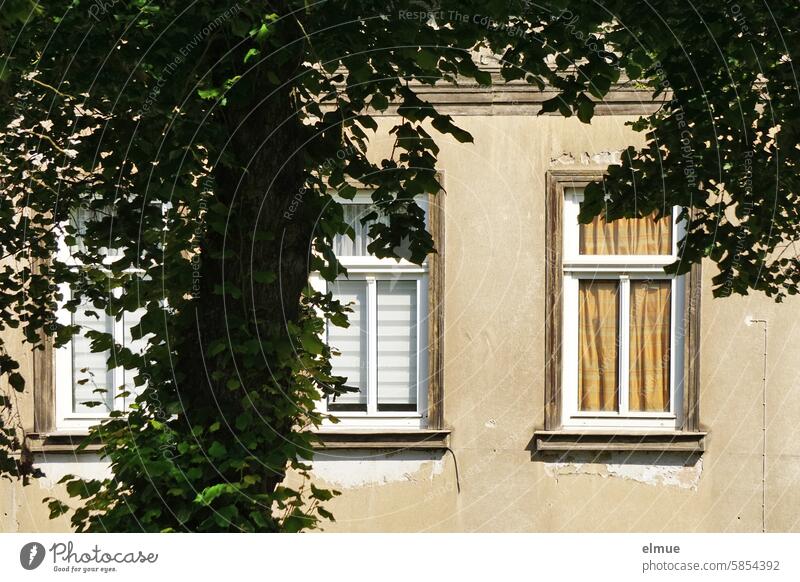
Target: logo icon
column 31, row 555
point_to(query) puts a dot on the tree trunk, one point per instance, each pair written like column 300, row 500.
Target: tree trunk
column 258, row 196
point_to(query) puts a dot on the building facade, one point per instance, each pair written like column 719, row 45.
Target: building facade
column 534, row 375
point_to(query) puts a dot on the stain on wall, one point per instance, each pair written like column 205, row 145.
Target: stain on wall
column 354, row 469
column 654, row 469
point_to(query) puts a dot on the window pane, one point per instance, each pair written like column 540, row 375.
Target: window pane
column 351, row 342
column 343, row 246
column 397, row 345
column 137, row 346
column 650, row 345
column 79, row 218
column 598, row 345
column 89, row 369
column 626, row 236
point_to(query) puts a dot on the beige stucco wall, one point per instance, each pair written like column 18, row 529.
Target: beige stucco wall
column 494, row 378
column 494, row 382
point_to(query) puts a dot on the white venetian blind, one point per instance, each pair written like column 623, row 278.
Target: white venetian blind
column 89, row 369
column 397, row 344
column 352, row 344
column 137, row 346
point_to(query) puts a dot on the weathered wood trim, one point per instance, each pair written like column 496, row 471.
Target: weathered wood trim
column 436, row 262
column 382, row 439
column 555, row 182
column 436, row 291
column 65, row 442
column 691, row 349
column 679, row 441
column 44, row 387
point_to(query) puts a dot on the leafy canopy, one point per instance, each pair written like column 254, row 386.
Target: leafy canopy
column 204, row 142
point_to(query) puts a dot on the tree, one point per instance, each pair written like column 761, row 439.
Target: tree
column 204, row 143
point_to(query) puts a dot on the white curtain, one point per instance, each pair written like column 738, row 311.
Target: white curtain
column 343, row 246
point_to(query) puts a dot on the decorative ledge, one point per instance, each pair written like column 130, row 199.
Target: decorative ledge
column 566, row 441
column 61, row 442
column 383, row 439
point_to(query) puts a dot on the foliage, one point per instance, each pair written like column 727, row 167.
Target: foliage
column 205, row 142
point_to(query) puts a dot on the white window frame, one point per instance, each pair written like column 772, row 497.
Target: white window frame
column 624, row 268
column 371, row 270
column 64, row 369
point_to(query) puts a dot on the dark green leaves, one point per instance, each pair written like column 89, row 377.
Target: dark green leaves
column 249, row 123
column 16, row 381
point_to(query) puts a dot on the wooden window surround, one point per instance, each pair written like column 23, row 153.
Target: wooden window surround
column 688, row 437
column 434, row 435
column 45, row 437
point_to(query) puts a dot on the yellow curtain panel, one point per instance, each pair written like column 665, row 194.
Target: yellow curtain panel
column 626, row 236
column 649, row 346
column 598, row 345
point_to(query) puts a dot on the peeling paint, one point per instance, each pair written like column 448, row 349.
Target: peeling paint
column 565, row 159
column 604, row 158
column 665, row 472
column 354, row 469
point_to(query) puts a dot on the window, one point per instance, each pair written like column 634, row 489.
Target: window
column 86, row 389
column 621, row 334
column 622, row 341
column 390, row 352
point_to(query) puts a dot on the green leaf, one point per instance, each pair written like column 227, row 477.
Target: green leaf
column 212, row 93
column 550, row 105
column 16, row 381
column 209, row 494
column 252, row 53
column 264, row 277
column 312, row 343
column 217, row 450
column 585, row 110
column 321, row 494
column 379, row 102
column 426, row 58
column 217, row 348
column 483, row 78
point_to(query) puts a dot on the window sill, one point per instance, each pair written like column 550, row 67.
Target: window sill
column 61, row 442
column 620, row 440
column 382, row 439
column 68, row 442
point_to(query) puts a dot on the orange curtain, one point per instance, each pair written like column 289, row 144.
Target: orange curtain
column 649, row 346
column 627, row 236
column 598, row 345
